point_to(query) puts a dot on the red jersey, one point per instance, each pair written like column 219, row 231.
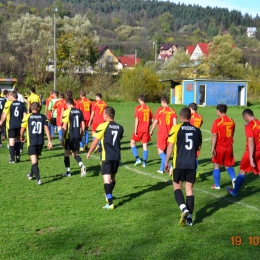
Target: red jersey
column 144, row 115
column 98, row 107
column 47, row 105
column 253, row 130
column 84, row 105
column 224, row 127
column 196, row 120
column 165, row 116
column 59, row 106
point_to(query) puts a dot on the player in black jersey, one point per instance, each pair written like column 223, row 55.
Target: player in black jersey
column 184, row 141
column 72, row 129
column 2, row 104
column 13, row 113
column 110, row 133
column 35, row 124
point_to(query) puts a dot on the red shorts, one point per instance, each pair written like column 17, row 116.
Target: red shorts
column 94, row 126
column 49, row 115
column 162, row 142
column 245, row 163
column 141, row 137
column 224, row 156
column 58, row 121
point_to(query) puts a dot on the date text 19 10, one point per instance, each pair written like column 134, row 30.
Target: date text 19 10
column 251, row 240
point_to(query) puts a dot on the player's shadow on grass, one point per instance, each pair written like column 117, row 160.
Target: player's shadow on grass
column 157, row 187
column 93, row 171
column 56, row 177
column 223, row 202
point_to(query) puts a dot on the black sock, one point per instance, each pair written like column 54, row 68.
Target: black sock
column 113, row 184
column 35, row 170
column 17, row 149
column 179, row 197
column 78, row 159
column 108, row 191
column 67, row 161
column 12, row 151
column 190, row 203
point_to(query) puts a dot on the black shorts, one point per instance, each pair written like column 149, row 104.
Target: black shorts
column 14, row 132
column 53, row 121
column 72, row 144
column 35, row 149
column 109, row 167
column 188, row 175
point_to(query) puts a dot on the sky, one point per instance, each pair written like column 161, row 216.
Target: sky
column 252, row 7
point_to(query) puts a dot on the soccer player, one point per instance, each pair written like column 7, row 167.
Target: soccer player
column 2, row 104
column 110, row 133
column 250, row 161
column 35, row 124
column 143, row 120
column 184, row 141
column 33, row 98
column 84, row 104
column 13, row 113
column 165, row 118
column 96, row 116
column 58, row 108
column 48, row 112
column 196, row 120
column 53, row 111
column 3, row 127
column 72, row 129
column 222, row 131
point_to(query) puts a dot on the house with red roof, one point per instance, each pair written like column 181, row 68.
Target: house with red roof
column 129, row 61
column 197, row 51
column 167, row 50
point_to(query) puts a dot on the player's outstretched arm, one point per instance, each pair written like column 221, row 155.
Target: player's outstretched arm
column 92, row 147
column 47, row 131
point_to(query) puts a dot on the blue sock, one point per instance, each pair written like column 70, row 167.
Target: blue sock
column 239, row 181
column 163, row 157
column 145, row 155
column 81, row 144
column 52, row 130
column 134, row 151
column 216, row 177
column 231, row 173
column 86, row 137
column 60, row 134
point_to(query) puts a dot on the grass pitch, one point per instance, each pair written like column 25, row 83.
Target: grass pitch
column 64, row 219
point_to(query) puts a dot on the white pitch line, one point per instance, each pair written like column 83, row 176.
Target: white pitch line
column 196, row 189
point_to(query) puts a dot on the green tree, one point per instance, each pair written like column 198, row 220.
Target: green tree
column 166, row 20
column 224, row 58
column 140, row 80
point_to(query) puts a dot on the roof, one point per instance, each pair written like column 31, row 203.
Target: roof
column 204, row 47
column 129, row 61
column 101, row 49
column 190, row 49
column 166, row 46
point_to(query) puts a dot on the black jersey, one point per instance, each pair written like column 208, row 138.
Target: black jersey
column 34, row 124
column 110, row 134
column 2, row 104
column 15, row 110
column 73, row 117
column 187, row 140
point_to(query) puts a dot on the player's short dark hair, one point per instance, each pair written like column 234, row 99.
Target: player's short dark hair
column 110, row 111
column 70, row 101
column 32, row 89
column 56, row 93
column 69, row 94
column 185, row 113
column 222, row 108
column 164, row 99
column 13, row 94
column 5, row 92
column 193, row 106
column 99, row 95
column 141, row 97
column 35, row 106
column 248, row 111
column 82, row 93
column 61, row 95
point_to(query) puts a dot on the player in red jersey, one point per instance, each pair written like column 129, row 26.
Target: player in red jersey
column 48, row 112
column 143, row 120
column 165, row 118
column 222, row 131
column 250, row 161
column 84, row 104
column 59, row 106
column 197, row 121
column 96, row 116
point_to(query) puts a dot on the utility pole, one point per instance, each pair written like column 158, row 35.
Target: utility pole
column 54, row 46
column 155, row 54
